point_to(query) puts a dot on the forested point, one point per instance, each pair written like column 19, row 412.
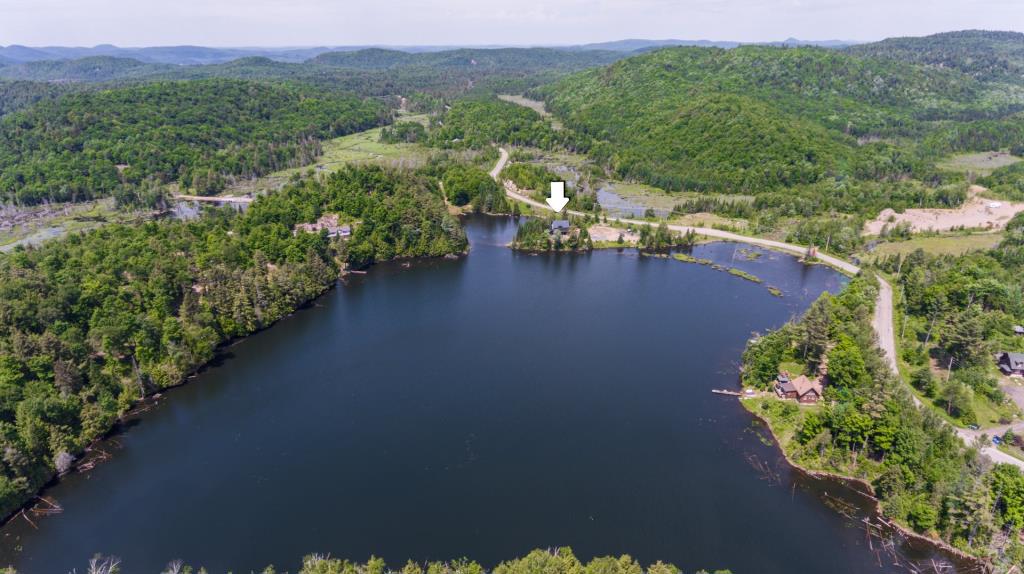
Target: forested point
column 869, row 427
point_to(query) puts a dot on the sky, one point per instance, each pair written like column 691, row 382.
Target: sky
column 480, row 22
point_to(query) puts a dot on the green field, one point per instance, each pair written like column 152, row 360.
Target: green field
column 361, row 147
column 982, row 163
column 937, row 244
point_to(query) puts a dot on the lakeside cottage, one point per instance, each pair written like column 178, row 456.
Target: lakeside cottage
column 1011, row 364
column 801, row 389
column 560, row 227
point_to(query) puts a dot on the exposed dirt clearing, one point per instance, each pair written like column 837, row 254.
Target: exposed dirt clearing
column 976, row 213
column 609, row 233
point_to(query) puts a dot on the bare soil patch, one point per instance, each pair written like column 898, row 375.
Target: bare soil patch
column 976, row 213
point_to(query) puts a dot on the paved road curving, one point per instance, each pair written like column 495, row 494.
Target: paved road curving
column 882, row 322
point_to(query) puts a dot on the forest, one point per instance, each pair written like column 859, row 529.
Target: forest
column 869, row 428
column 87, row 145
column 92, row 323
column 760, row 119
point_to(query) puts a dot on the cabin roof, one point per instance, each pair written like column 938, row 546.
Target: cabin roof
column 801, row 386
column 1016, row 360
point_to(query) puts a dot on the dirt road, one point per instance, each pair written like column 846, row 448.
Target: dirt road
column 883, row 325
column 501, row 163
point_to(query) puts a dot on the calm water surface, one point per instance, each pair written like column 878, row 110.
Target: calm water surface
column 479, row 407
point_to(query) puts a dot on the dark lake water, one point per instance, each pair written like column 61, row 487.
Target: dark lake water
column 479, row 407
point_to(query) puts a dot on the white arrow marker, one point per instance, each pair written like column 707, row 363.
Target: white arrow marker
column 558, row 199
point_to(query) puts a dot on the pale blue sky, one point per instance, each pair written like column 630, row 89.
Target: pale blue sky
column 519, row 22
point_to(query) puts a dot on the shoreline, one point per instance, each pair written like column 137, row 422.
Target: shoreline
column 869, row 492
column 143, row 404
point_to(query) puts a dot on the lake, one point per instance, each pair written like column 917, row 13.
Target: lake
column 478, row 407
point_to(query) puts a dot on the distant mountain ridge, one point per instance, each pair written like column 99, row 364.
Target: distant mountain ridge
column 202, row 55
column 634, row 45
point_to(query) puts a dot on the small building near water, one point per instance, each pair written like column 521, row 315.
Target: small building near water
column 1011, row 364
column 801, row 389
column 560, row 227
column 328, row 222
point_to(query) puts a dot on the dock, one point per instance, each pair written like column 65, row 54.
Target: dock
column 726, row 392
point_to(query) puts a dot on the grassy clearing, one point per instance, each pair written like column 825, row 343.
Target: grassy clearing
column 362, row 147
column 535, row 105
column 978, row 163
column 938, row 244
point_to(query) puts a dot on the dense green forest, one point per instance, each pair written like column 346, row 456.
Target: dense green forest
column 979, row 53
column 480, row 122
column 15, row 95
column 869, row 428
column 91, row 323
column 756, row 119
column 88, row 145
column 556, row 561
column 370, row 72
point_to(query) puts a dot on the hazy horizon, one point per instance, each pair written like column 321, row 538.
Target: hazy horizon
column 398, row 23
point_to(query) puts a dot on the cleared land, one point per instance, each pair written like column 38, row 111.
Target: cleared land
column 978, row 163
column 976, row 213
column 535, row 105
column 362, row 147
column 938, row 245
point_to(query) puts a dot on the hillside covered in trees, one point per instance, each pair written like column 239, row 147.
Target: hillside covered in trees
column 979, row 53
column 368, row 72
column 91, row 323
column 92, row 144
column 755, row 119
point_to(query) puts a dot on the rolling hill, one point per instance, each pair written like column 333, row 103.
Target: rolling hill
column 754, row 117
column 982, row 54
column 100, row 143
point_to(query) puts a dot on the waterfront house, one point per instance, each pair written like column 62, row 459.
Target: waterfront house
column 801, row 389
column 328, row 222
column 560, row 227
column 1011, row 363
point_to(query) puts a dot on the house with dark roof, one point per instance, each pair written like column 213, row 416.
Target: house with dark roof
column 1011, row 364
column 801, row 389
column 560, row 227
